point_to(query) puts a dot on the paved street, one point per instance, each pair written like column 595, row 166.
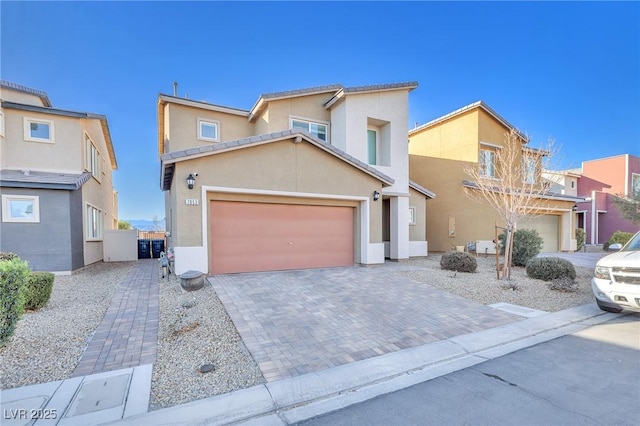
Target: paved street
column 591, row 377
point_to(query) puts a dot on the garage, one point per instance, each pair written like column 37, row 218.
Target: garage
column 256, row 236
column 547, row 227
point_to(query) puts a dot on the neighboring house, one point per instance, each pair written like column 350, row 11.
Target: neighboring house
column 439, row 151
column 56, row 178
column 306, row 178
column 600, row 181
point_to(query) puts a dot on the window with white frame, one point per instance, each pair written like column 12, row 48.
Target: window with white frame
column 93, row 223
column 20, row 208
column 93, row 161
column 208, row 130
column 372, row 146
column 319, row 130
column 412, row 215
column 487, row 163
column 1, row 124
column 530, row 171
column 38, row 130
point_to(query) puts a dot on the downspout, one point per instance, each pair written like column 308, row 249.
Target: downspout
column 593, row 218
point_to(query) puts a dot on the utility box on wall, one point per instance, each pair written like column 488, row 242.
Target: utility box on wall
column 120, row 245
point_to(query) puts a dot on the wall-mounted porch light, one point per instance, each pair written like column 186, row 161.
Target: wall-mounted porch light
column 190, row 181
column 376, row 195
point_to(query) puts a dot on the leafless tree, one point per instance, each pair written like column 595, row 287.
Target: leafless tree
column 508, row 178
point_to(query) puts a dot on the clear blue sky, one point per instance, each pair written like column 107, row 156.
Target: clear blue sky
column 570, row 71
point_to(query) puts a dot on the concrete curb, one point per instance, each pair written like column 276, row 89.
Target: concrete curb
column 310, row 395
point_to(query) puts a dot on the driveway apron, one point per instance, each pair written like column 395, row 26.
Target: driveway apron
column 127, row 336
column 298, row 322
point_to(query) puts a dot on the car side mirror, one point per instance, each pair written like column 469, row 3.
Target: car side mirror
column 615, row 247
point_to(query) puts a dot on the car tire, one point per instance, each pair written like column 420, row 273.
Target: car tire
column 608, row 308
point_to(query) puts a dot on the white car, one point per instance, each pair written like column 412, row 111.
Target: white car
column 616, row 278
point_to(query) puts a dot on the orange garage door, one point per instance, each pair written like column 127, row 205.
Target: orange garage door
column 247, row 237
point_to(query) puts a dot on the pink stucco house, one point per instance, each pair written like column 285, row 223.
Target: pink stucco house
column 599, row 182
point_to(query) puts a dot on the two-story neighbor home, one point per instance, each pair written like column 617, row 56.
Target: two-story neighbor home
column 601, row 180
column 56, row 178
column 439, row 151
column 305, row 178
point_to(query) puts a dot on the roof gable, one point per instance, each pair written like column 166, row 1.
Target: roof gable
column 168, row 160
column 28, row 90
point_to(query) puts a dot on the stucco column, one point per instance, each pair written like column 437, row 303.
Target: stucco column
column 399, row 227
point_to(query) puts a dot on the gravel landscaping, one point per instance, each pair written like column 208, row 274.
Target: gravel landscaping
column 48, row 343
column 195, row 330
column 483, row 286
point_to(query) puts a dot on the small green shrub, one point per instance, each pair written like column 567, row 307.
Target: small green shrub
column 38, row 290
column 458, row 261
column 550, row 268
column 527, row 244
column 580, row 237
column 13, row 276
column 617, row 237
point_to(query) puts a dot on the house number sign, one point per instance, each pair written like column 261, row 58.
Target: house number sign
column 192, row 201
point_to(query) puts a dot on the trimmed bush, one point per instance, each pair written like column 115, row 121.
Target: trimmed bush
column 458, row 261
column 13, row 276
column 527, row 244
column 550, row 268
column 617, row 237
column 580, row 237
column 38, row 290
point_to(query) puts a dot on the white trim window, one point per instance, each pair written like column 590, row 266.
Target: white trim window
column 487, row 163
column 372, row 146
column 38, row 130
column 412, row 215
column 208, row 130
column 1, row 123
column 93, row 161
column 20, row 208
column 93, row 223
column 530, row 171
column 319, row 130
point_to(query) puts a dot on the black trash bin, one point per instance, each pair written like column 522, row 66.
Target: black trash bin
column 156, row 247
column 144, row 249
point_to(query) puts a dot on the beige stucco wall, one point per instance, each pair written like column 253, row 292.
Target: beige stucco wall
column 278, row 166
column 63, row 155
column 418, row 232
column 20, row 97
column 181, row 126
column 454, row 139
column 310, row 108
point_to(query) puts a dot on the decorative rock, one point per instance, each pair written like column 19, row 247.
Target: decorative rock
column 192, row 280
column 206, row 368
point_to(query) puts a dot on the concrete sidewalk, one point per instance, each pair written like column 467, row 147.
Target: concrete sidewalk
column 299, row 398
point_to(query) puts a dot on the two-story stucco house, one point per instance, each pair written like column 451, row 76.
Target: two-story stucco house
column 56, row 178
column 439, row 151
column 306, row 178
column 601, row 180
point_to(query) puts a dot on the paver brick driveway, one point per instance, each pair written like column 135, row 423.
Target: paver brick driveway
column 297, row 322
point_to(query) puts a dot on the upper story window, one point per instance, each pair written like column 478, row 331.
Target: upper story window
column 372, row 146
column 319, row 130
column 37, row 130
column 93, row 161
column 208, row 130
column 487, row 163
column 530, row 171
